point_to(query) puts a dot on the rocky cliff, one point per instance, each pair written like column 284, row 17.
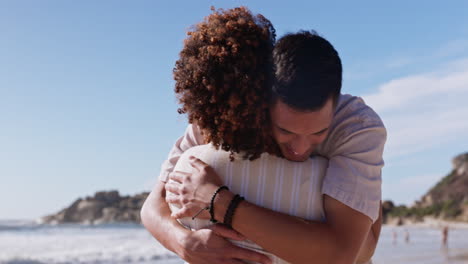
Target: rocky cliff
column 103, row 207
column 447, row 200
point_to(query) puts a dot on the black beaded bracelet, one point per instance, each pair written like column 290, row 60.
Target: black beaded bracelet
column 231, row 208
column 212, row 218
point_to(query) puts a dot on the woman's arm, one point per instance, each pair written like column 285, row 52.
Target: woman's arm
column 196, row 247
column 154, row 215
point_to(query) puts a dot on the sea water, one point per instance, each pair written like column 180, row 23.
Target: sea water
column 28, row 243
column 424, row 246
column 23, row 242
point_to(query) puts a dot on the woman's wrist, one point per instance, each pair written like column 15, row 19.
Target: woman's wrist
column 182, row 239
column 207, row 193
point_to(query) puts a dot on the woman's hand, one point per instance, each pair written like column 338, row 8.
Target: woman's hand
column 211, row 245
column 192, row 192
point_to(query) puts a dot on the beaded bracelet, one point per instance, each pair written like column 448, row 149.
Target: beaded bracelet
column 212, row 218
column 231, row 208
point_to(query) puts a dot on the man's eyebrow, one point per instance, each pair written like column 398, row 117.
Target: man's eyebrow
column 321, row 131
column 285, row 130
column 316, row 133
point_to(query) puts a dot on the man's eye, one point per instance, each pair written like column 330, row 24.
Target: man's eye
column 321, row 132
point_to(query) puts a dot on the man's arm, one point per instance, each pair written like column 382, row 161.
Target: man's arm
column 337, row 240
column 370, row 244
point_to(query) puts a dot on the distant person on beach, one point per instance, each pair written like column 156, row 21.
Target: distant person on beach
column 394, row 237
column 291, row 122
column 445, row 230
column 407, row 236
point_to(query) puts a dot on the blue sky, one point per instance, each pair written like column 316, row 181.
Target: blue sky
column 87, row 103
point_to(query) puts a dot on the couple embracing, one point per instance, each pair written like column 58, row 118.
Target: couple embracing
column 276, row 165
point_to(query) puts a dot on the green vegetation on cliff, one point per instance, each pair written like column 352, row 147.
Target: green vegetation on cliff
column 444, row 209
column 447, row 200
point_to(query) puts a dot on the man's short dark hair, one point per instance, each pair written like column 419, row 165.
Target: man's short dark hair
column 308, row 71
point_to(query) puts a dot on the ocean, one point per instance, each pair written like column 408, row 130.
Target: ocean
column 23, row 242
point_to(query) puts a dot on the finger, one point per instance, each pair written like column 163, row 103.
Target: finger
column 172, row 200
column 181, row 213
column 175, row 213
column 197, row 164
column 178, row 176
column 227, row 232
column 172, row 187
column 246, row 254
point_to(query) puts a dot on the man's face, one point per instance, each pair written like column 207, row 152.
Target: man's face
column 298, row 133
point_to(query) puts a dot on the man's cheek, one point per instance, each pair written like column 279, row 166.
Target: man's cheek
column 278, row 138
column 281, row 140
column 322, row 138
column 317, row 140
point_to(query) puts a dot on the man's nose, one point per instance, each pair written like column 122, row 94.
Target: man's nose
column 300, row 145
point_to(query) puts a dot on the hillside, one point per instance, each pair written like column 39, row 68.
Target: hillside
column 447, row 200
column 103, row 207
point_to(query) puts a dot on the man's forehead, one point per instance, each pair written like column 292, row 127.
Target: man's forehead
column 284, row 110
column 300, row 122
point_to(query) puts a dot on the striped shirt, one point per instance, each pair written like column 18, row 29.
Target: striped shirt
column 292, row 188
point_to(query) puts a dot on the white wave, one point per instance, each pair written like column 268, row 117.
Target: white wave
column 81, row 244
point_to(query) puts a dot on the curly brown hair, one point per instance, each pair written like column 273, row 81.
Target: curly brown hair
column 223, row 80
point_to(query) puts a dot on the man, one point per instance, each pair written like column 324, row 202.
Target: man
column 309, row 117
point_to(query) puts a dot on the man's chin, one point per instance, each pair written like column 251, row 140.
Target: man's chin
column 296, row 158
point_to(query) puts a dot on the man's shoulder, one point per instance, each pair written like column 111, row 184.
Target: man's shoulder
column 352, row 117
column 354, row 112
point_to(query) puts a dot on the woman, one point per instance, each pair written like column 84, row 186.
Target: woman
column 223, row 80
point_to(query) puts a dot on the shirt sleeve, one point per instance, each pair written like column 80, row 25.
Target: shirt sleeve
column 354, row 174
column 192, row 137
